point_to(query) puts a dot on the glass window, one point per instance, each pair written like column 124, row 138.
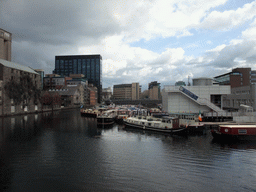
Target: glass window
column 84, row 67
column 92, row 69
column 57, row 64
column 75, row 66
column 88, row 66
column 62, row 64
column 79, row 71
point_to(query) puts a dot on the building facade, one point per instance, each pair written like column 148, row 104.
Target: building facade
column 88, row 65
column 154, row 90
column 127, row 91
column 12, row 101
column 192, row 99
column 242, row 82
column 5, row 45
column 106, row 93
column 238, row 77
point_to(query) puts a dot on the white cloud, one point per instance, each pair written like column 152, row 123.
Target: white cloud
column 229, row 19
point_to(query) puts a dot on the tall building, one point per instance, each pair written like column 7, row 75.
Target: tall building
column 5, row 45
column 154, row 90
column 88, row 65
column 127, row 91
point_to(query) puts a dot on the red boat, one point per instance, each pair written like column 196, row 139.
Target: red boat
column 235, row 132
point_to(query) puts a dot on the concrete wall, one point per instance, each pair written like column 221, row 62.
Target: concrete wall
column 179, row 103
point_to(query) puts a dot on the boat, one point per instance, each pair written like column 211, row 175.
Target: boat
column 90, row 112
column 106, row 118
column 192, row 122
column 234, row 132
column 165, row 125
column 121, row 115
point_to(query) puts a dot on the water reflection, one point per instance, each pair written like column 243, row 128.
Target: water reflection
column 62, row 151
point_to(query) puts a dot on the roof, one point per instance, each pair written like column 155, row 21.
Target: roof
column 66, row 91
column 17, row 66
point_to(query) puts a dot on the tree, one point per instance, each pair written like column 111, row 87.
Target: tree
column 22, row 91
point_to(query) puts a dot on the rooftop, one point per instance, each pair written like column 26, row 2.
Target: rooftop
column 17, row 66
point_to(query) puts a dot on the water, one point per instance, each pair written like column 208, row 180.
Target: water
column 66, row 152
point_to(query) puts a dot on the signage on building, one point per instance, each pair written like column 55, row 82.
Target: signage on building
column 187, row 92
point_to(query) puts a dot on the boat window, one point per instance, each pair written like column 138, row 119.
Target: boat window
column 142, row 123
column 149, row 124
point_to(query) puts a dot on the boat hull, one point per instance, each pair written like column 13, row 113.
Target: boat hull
column 94, row 115
column 105, row 121
column 178, row 131
column 234, row 132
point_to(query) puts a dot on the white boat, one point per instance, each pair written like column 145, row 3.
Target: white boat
column 166, row 125
column 106, row 118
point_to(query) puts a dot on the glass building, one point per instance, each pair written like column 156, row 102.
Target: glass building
column 89, row 65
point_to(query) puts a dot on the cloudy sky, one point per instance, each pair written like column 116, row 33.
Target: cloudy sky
column 139, row 40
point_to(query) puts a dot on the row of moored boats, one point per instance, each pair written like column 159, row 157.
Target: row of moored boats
column 156, row 120
column 146, row 120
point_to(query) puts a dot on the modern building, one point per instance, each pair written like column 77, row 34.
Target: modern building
column 14, row 77
column 243, row 88
column 127, row 91
column 154, row 90
column 201, row 97
column 88, row 65
column 5, row 45
column 237, row 78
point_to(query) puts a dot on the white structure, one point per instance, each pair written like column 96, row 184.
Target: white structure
column 192, row 99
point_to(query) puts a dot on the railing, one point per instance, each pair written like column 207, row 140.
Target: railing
column 228, row 114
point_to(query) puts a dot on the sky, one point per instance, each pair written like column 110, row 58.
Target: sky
column 139, row 40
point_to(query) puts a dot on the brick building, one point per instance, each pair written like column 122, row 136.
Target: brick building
column 13, row 101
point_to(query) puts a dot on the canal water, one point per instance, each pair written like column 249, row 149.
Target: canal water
column 62, row 151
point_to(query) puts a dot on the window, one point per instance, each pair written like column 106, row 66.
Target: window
column 75, row 66
column 79, row 71
column 92, row 69
column 88, row 67
column 83, row 66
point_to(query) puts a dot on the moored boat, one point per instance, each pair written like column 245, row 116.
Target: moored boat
column 107, row 118
column 235, row 132
column 121, row 115
column 90, row 112
column 192, row 122
column 166, row 125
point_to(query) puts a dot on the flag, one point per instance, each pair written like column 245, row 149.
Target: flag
column 200, row 117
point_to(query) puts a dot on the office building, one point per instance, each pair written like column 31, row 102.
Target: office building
column 127, row 91
column 5, row 45
column 88, row 65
